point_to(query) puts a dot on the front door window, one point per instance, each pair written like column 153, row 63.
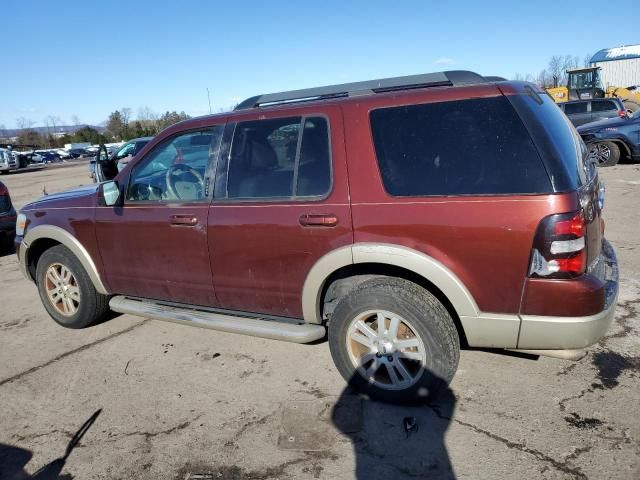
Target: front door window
column 176, row 170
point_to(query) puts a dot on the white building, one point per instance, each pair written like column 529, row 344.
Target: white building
column 619, row 67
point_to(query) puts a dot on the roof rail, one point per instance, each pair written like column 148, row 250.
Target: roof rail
column 437, row 79
column 495, row 78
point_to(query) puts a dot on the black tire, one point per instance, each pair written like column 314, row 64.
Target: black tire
column 92, row 306
column 606, row 154
column 428, row 320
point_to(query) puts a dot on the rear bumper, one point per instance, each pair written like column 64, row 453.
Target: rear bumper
column 559, row 333
column 8, row 227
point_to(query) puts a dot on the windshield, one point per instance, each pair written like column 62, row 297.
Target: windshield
column 584, row 80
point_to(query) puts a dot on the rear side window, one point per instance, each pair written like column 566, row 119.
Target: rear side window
column 573, row 108
column 465, row 147
column 280, row 158
column 604, row 106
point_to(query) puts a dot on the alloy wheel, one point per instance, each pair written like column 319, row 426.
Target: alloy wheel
column 386, row 350
column 62, row 289
column 600, row 152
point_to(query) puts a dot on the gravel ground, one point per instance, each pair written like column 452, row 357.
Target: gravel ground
column 174, row 402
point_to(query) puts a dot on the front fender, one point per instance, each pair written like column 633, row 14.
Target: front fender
column 63, row 237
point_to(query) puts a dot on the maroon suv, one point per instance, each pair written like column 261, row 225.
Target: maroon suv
column 400, row 217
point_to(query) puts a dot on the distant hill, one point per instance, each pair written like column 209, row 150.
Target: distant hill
column 14, row 132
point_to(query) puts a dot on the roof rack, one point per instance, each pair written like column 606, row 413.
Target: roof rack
column 453, row 78
column 495, row 78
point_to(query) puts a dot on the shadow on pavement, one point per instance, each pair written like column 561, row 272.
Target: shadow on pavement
column 14, row 459
column 395, row 441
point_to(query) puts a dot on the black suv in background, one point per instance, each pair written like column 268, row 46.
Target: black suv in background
column 7, row 219
column 612, row 139
column 586, row 111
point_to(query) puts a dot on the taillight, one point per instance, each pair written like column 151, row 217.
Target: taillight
column 559, row 247
column 622, row 113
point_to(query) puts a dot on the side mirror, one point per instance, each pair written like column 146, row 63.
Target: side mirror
column 110, row 193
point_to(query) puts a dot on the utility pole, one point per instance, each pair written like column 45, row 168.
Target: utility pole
column 209, row 98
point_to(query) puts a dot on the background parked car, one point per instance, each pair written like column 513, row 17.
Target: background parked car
column 121, row 156
column 63, row 154
column 586, row 111
column 77, row 152
column 49, row 157
column 8, row 160
column 25, row 158
column 611, row 139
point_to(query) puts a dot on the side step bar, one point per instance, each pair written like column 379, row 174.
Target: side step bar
column 256, row 327
column 574, row 354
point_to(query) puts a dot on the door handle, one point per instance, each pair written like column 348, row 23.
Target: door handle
column 183, row 220
column 324, row 220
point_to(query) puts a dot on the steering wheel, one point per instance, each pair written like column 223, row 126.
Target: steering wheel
column 181, row 168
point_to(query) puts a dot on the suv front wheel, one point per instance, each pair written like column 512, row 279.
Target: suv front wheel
column 607, row 154
column 66, row 290
column 394, row 341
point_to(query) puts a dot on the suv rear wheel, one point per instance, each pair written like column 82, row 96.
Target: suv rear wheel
column 66, row 290
column 394, row 341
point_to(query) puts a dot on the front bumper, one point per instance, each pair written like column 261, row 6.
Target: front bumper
column 560, row 333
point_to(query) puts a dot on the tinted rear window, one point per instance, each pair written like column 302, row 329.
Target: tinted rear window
column 604, row 106
column 466, row 147
column 573, row 108
column 558, row 142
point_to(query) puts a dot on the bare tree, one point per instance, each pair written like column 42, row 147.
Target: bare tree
column 47, row 125
column 555, row 69
column 543, row 78
column 586, row 62
column 24, row 123
column 3, row 131
column 568, row 63
column 145, row 114
column 126, row 115
column 54, row 121
column 147, row 120
column 75, row 119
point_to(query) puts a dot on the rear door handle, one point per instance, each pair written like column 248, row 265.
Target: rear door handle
column 183, row 220
column 324, row 220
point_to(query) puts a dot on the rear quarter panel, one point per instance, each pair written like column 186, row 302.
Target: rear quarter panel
column 485, row 240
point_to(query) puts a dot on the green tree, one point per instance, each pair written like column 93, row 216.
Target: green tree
column 169, row 118
column 88, row 134
column 116, row 126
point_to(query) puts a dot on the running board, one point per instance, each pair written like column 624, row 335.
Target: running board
column 569, row 354
column 256, row 327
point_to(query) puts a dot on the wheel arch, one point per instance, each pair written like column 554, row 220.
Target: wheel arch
column 386, row 257
column 42, row 237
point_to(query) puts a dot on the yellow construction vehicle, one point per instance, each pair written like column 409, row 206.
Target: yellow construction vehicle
column 585, row 83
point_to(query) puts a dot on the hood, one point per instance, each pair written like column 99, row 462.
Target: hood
column 70, row 198
column 607, row 123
